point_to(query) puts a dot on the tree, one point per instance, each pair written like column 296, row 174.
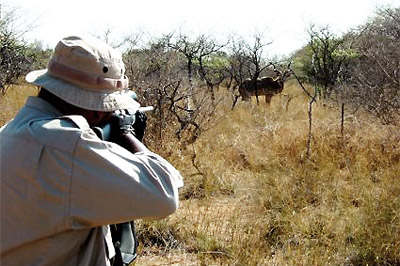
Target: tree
column 247, row 59
column 208, row 58
column 15, row 56
column 325, row 59
column 197, row 52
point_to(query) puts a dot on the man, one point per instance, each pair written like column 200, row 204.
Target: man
column 61, row 185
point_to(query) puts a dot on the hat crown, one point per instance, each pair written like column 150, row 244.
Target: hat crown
column 87, row 73
column 89, row 55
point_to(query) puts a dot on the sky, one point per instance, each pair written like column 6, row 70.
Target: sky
column 282, row 22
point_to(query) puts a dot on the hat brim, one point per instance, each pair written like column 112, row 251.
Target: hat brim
column 82, row 97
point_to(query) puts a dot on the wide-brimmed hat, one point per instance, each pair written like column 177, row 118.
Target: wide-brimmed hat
column 87, row 73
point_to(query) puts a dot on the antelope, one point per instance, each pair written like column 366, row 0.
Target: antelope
column 266, row 86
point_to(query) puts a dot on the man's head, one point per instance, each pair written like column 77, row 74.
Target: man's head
column 86, row 73
column 94, row 118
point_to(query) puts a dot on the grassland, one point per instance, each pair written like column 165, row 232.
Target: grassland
column 13, row 100
column 251, row 196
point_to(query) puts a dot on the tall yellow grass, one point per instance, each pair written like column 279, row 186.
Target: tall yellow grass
column 255, row 199
column 13, row 100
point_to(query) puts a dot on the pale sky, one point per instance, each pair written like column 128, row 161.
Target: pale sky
column 282, row 22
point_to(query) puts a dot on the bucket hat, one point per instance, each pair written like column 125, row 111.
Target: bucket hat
column 87, row 73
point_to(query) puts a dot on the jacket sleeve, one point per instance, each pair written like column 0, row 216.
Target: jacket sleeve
column 110, row 184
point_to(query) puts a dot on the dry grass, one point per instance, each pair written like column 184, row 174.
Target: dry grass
column 254, row 199
column 258, row 200
column 13, row 100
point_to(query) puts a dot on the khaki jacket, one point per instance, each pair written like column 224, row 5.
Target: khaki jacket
column 60, row 185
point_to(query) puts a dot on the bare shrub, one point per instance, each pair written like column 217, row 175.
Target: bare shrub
column 165, row 74
column 374, row 77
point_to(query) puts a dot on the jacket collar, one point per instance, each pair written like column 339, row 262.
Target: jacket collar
column 42, row 106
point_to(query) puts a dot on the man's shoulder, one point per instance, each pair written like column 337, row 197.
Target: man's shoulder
column 60, row 133
column 77, row 121
column 59, row 125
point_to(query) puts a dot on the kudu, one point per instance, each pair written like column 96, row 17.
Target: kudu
column 266, row 86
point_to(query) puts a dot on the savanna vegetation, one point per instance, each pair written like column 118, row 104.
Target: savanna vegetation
column 314, row 179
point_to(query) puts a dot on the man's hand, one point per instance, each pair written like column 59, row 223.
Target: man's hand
column 126, row 129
